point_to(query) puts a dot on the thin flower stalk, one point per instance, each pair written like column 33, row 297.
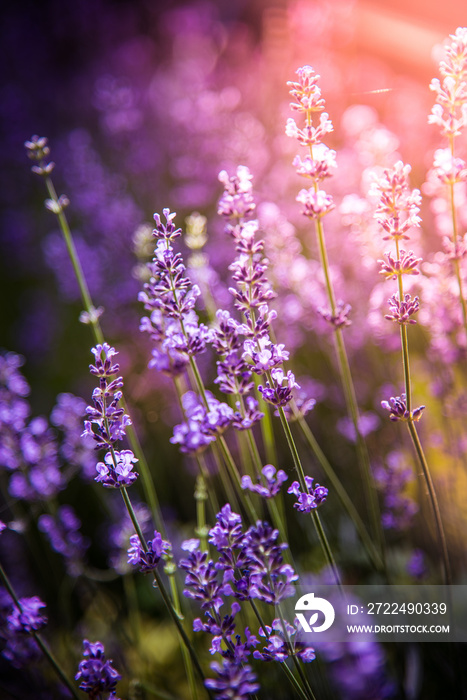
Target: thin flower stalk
column 302, row 479
column 397, row 213
column 342, row 494
column 38, row 638
column 317, row 166
column 39, row 151
column 283, row 666
column 173, row 612
column 450, row 114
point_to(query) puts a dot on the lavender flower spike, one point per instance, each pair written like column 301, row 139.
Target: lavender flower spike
column 147, row 561
column 273, row 480
column 308, row 501
column 117, row 469
column 397, row 408
column 95, row 672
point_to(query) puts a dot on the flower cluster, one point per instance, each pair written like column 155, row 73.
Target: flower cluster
column 147, row 560
column 398, row 206
column 107, row 421
column 28, row 448
column 19, row 624
column 282, row 643
column 320, row 163
column 310, row 499
column 251, row 567
column 273, row 479
column 202, row 423
column 252, row 294
column 117, row 469
column 170, row 298
column 96, row 673
column 397, row 407
column 450, row 109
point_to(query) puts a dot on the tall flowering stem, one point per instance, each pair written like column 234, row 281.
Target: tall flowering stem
column 317, row 166
column 450, row 114
column 170, row 297
column 38, row 151
column 252, row 295
column 397, row 213
column 23, row 619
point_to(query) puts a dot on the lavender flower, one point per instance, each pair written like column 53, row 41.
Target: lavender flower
column 276, row 392
column 170, row 297
column 28, row 450
column 107, row 415
column 397, row 408
column 117, row 469
column 310, row 499
column 202, row 425
column 234, row 680
column 147, row 560
column 401, row 311
column 282, row 644
column 270, row 579
column 96, row 673
column 273, row 480
column 398, row 207
column 201, row 579
column 27, row 617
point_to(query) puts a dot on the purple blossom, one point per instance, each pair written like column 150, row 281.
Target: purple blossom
column 247, row 414
column 96, row 673
column 273, row 481
column 416, row 566
column 107, row 421
column 201, row 579
column 282, row 644
column 315, row 204
column 270, row 579
column 147, row 560
column 398, row 207
column 401, row 311
column 202, row 425
column 397, row 408
column 263, row 354
column 311, row 498
column 276, row 392
column 234, row 680
column 237, row 200
column 170, row 298
column 27, row 617
column 406, row 264
column 117, row 469
column 338, row 319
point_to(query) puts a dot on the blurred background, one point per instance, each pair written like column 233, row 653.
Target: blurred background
column 143, row 103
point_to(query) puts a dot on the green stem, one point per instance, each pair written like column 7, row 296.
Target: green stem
column 454, row 240
column 174, row 614
column 434, row 502
column 282, row 666
column 301, row 477
column 342, row 494
column 38, row 639
column 416, row 441
column 148, row 485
